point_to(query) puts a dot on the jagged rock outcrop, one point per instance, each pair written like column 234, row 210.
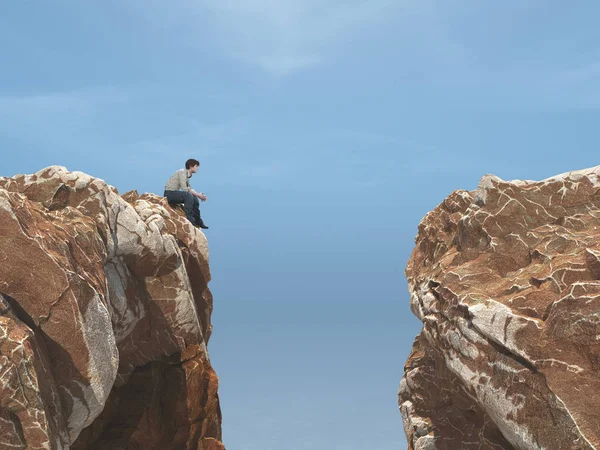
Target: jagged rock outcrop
column 104, row 319
column 506, row 280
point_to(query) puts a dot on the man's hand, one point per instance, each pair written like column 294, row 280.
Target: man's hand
column 200, row 195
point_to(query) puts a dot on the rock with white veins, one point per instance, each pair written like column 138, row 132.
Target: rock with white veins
column 97, row 290
column 506, row 280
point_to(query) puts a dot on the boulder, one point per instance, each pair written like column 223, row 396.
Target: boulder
column 104, row 319
column 506, row 280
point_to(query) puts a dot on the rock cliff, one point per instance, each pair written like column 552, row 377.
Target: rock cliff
column 506, row 280
column 104, row 319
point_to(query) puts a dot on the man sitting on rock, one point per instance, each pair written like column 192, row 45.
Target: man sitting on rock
column 178, row 191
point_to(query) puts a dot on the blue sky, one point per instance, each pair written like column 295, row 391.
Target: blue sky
column 326, row 131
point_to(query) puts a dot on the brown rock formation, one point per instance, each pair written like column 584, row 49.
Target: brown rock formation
column 104, row 319
column 506, row 280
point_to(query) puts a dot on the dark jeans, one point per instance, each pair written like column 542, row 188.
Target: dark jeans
column 191, row 205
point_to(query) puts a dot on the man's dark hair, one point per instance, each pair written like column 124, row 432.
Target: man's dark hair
column 191, row 163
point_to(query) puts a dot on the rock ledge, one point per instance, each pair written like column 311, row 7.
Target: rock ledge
column 104, row 319
column 506, row 280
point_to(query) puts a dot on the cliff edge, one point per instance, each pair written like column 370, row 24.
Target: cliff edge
column 104, row 319
column 506, row 280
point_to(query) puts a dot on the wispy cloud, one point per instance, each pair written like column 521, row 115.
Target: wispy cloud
column 70, row 102
column 57, row 117
column 199, row 140
column 282, row 37
column 114, row 122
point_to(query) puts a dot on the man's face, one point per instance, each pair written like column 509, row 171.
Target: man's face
column 194, row 169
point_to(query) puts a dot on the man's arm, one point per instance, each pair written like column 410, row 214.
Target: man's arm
column 185, row 186
column 200, row 195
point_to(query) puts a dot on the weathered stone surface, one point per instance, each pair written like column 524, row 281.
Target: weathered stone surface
column 506, row 280
column 104, row 319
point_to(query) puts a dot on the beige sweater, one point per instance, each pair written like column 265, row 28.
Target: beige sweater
column 179, row 181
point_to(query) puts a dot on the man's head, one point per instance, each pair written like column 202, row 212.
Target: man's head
column 192, row 165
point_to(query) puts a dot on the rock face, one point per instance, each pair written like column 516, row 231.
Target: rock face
column 104, row 319
column 506, row 280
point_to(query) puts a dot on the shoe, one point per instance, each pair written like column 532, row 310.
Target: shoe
column 202, row 225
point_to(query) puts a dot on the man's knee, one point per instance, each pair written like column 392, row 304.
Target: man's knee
column 187, row 197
